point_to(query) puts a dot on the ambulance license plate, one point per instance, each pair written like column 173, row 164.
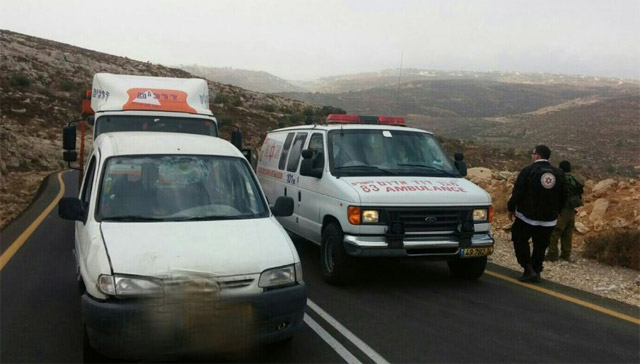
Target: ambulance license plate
column 475, row 252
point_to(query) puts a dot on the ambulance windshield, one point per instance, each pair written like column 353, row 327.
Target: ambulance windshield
column 376, row 152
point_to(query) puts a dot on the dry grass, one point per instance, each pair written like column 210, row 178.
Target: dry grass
column 619, row 248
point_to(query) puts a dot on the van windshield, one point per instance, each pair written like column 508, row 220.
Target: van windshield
column 178, row 188
column 376, row 152
column 113, row 123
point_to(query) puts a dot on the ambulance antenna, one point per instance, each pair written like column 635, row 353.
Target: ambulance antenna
column 399, row 79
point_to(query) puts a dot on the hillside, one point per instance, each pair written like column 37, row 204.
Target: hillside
column 41, row 85
column 251, row 80
column 595, row 123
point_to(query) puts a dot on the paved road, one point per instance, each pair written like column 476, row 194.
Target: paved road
column 397, row 312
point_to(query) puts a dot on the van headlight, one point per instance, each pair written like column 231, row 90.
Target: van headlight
column 281, row 276
column 483, row 214
column 129, row 286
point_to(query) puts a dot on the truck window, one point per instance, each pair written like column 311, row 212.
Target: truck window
column 296, row 150
column 114, row 123
column 285, row 151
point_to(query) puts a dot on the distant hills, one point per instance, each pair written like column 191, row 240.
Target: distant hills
column 251, row 80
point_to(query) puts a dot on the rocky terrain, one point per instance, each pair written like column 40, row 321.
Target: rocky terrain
column 42, row 82
column 251, row 80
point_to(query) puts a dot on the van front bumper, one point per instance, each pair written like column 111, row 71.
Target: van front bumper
column 143, row 329
column 437, row 246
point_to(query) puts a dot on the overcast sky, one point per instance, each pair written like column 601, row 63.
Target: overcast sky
column 307, row 39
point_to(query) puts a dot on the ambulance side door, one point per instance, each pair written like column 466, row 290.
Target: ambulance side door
column 291, row 178
column 310, row 196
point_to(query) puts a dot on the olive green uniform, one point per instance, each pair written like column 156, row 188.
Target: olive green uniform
column 564, row 232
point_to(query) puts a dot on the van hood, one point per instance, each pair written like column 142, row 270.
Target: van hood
column 394, row 190
column 222, row 248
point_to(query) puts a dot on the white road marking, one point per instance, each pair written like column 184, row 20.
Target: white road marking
column 341, row 350
column 372, row 354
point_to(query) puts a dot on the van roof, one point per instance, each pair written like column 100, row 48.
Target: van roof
column 137, row 143
column 350, row 126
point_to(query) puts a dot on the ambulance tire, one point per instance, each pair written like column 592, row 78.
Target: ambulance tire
column 336, row 264
column 469, row 268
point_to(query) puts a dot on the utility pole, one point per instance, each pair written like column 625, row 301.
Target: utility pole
column 399, row 79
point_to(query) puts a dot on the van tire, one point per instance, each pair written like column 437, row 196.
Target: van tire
column 89, row 354
column 335, row 263
column 468, row 268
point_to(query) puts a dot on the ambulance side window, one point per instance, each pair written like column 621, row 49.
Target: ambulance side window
column 285, row 151
column 316, row 145
column 296, row 150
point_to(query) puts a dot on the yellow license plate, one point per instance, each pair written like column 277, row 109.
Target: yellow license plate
column 476, row 252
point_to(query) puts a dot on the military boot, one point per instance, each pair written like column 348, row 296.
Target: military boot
column 529, row 273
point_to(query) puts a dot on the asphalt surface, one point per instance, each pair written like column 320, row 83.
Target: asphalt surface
column 397, row 311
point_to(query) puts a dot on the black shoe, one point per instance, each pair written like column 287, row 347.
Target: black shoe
column 568, row 259
column 528, row 274
column 535, row 279
column 551, row 258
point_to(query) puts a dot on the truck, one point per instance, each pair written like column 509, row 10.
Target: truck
column 141, row 103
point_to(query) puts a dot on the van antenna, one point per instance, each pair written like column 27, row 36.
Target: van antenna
column 399, row 79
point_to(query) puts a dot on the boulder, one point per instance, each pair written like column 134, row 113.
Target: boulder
column 581, row 228
column 478, row 174
column 603, row 185
column 599, row 210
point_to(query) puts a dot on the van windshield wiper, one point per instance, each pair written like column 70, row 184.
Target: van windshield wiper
column 365, row 166
column 429, row 168
column 211, row 217
column 132, row 218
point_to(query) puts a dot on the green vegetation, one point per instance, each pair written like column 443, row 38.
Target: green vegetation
column 19, row 80
column 618, row 248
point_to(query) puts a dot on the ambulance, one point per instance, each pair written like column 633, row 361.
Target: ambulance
column 368, row 186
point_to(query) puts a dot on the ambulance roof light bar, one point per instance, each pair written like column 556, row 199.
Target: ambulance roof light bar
column 357, row 119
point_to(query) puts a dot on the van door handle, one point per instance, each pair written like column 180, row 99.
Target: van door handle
column 299, row 196
column 285, row 191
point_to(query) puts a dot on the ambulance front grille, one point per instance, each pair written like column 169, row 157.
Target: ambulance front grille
column 428, row 220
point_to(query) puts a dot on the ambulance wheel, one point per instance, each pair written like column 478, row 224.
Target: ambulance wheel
column 334, row 260
column 468, row 268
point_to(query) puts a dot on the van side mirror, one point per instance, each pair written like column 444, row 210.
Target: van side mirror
column 311, row 166
column 69, row 156
column 70, row 208
column 283, row 206
column 236, row 139
column 460, row 164
column 69, row 137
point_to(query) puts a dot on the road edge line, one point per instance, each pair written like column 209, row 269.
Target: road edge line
column 331, row 341
column 372, row 354
column 568, row 298
column 20, row 240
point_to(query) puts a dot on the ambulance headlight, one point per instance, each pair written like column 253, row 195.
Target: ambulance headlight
column 480, row 215
column 370, row 216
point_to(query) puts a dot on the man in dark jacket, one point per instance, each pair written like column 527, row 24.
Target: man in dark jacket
column 536, row 201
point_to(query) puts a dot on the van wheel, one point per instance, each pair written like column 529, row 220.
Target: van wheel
column 89, row 354
column 334, row 260
column 469, row 268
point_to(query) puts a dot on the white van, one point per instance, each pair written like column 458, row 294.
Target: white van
column 367, row 186
column 178, row 251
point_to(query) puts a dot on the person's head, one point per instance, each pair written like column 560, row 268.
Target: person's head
column 540, row 152
column 565, row 166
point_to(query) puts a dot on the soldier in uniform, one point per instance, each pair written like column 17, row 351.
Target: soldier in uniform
column 567, row 219
column 536, row 201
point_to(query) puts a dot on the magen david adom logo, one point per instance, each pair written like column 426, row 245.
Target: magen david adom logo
column 548, row 180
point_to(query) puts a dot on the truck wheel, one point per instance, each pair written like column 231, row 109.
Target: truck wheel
column 334, row 260
column 469, row 268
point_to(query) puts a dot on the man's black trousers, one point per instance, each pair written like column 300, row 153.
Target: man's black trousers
column 521, row 232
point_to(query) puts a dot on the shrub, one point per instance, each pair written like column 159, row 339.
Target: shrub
column 67, row 85
column 19, row 80
column 618, row 248
column 236, row 101
column 268, row 107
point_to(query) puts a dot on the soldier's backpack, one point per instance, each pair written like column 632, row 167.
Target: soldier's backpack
column 573, row 190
